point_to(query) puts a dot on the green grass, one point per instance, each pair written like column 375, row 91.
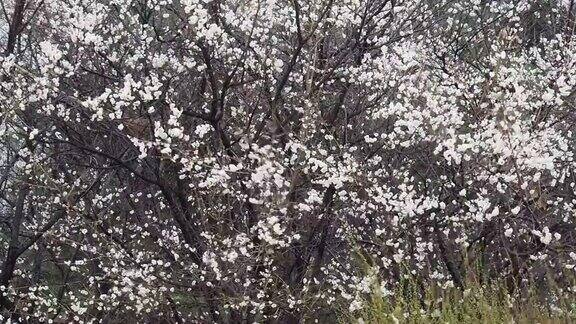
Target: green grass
column 414, row 302
column 475, row 305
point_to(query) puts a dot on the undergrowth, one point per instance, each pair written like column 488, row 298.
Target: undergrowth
column 413, row 301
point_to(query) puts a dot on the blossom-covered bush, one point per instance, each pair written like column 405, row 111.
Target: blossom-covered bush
column 247, row 160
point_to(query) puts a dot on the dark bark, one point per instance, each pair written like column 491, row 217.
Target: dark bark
column 15, row 26
column 13, row 252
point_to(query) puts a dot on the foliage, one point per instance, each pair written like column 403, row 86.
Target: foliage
column 480, row 302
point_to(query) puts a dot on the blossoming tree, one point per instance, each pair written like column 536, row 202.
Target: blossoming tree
column 276, row 160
